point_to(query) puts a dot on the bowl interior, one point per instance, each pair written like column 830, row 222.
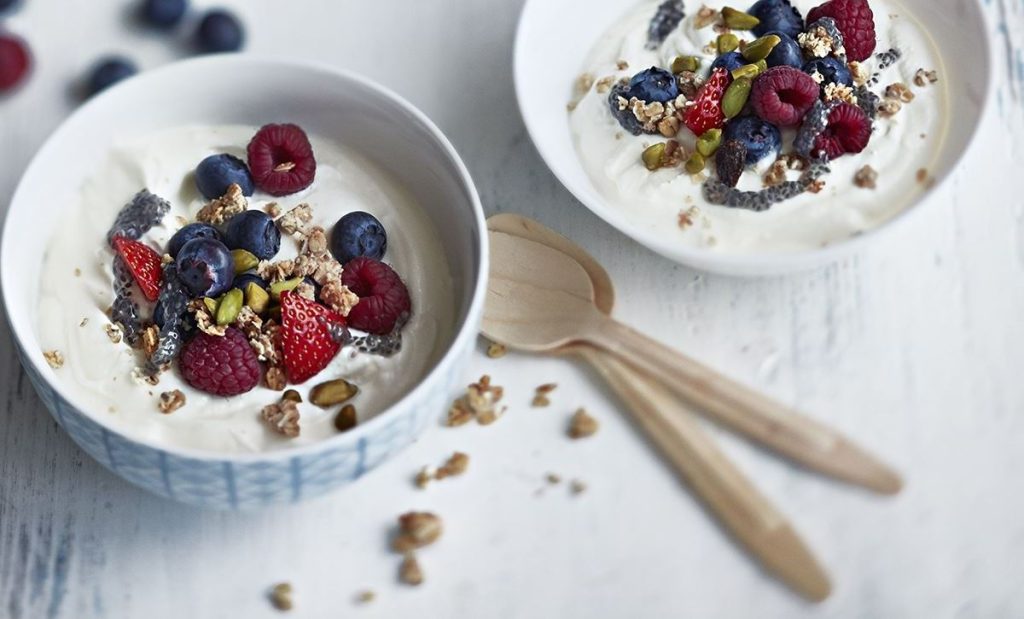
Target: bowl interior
column 244, row 90
column 555, row 37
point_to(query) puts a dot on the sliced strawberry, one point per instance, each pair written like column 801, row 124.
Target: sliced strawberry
column 706, row 111
column 144, row 263
column 305, row 337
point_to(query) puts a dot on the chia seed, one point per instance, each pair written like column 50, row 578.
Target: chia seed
column 832, row 30
column 887, row 58
column 814, row 123
column 124, row 310
column 174, row 301
column 138, row 216
column 867, row 101
column 717, row 192
column 382, row 345
column 665, row 20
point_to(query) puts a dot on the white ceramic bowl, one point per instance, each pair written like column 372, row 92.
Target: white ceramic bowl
column 555, row 36
column 248, row 90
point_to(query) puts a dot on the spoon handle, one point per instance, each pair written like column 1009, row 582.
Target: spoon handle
column 746, row 411
column 743, row 511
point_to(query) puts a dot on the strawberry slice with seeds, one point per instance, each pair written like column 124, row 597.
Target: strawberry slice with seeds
column 144, row 263
column 306, row 340
column 706, row 111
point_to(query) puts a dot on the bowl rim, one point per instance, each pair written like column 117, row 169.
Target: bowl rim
column 465, row 331
column 750, row 264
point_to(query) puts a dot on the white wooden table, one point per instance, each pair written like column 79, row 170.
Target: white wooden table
column 915, row 348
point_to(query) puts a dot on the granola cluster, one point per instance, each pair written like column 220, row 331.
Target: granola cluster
column 480, row 402
column 221, row 209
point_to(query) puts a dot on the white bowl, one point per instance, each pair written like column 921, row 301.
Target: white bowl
column 242, row 89
column 552, row 43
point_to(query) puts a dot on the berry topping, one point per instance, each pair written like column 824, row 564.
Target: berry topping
column 7, row 4
column 833, row 70
column 15, row 62
column 255, row 232
column 242, row 281
column 855, row 20
column 206, row 267
column 135, row 218
column 760, row 138
column 189, row 232
column 306, row 341
column 217, row 172
column 281, row 159
column 163, row 13
column 623, row 113
column 108, row 72
column 220, row 365
column 729, row 61
column 652, row 85
column 383, row 298
column 220, row 31
column 144, row 264
column 776, row 15
column 170, row 315
column 782, row 95
column 786, row 53
column 358, row 234
column 706, row 112
column 848, row 131
column 730, row 160
column 665, row 20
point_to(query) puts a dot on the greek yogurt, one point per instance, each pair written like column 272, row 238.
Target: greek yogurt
column 76, row 290
column 901, row 150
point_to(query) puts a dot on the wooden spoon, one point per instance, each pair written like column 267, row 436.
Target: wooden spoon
column 744, row 512
column 540, row 299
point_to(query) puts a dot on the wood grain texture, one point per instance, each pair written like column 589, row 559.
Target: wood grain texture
column 913, row 347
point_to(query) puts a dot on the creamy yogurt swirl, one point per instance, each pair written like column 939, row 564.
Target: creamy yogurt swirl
column 900, row 147
column 76, row 289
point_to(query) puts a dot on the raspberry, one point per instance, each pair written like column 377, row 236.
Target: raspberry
column 15, row 62
column 306, row 336
column 782, row 95
column 706, row 112
column 281, row 159
column 855, row 21
column 383, row 298
column 144, row 263
column 221, row 365
column 848, row 131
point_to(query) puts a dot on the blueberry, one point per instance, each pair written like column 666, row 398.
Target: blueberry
column 358, row 234
column 189, row 232
column 163, row 13
column 654, row 84
column 786, row 53
column 7, row 4
column 253, row 231
column 776, row 15
column 627, row 120
column 761, row 138
column 206, row 267
column 108, row 72
column 729, row 61
column 242, row 281
column 220, row 31
column 832, row 69
column 216, row 172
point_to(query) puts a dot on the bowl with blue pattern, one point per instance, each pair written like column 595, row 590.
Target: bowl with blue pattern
column 245, row 89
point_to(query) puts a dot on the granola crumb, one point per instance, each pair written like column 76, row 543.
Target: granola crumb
column 281, row 596
column 866, row 177
column 338, row 297
column 424, row 477
column 816, row 42
column 275, row 379
column 577, row 486
column 605, row 84
column 816, row 186
column 496, row 350
column 114, row 332
column 294, row 221
column 584, row 82
column 416, row 530
column 571, row 106
column 687, row 217
column 366, row 596
column 705, row 17
column 171, row 401
column 860, row 73
column 272, row 209
column 78, row 272
column 922, row 78
column 922, row 175
column 900, row 92
column 582, row 425
column 889, row 108
column 540, row 396
column 553, row 478
column 282, row 417
column 150, row 340
column 55, row 358
column 480, row 402
column 410, row 571
column 221, row 209
column 622, row 65
column 776, row 174
column 837, row 91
